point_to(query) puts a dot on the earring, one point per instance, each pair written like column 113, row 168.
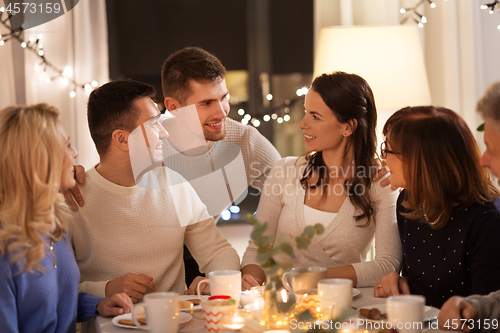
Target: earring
column 345, row 134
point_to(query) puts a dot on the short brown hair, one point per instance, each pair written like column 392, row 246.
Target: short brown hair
column 440, row 162
column 190, row 63
column 111, row 107
column 489, row 105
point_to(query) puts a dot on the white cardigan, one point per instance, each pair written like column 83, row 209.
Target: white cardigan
column 344, row 241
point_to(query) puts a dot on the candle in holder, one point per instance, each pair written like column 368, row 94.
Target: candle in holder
column 234, row 319
column 256, row 309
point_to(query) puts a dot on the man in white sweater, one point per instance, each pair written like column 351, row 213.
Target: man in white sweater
column 192, row 76
column 128, row 237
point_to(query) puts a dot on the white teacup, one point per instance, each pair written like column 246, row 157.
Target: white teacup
column 406, row 312
column 335, row 296
column 300, row 278
column 162, row 312
column 223, row 283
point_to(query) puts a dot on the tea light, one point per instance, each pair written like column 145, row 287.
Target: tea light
column 234, row 320
column 246, row 297
column 258, row 291
column 256, row 309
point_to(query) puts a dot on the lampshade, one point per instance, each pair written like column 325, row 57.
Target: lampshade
column 389, row 58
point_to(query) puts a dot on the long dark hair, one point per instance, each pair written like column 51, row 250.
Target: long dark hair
column 350, row 98
column 440, row 163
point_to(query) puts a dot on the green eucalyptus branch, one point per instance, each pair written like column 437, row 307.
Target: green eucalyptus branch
column 266, row 251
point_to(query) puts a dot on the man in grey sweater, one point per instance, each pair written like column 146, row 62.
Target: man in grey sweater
column 480, row 313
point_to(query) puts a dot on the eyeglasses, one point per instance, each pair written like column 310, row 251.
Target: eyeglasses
column 384, row 151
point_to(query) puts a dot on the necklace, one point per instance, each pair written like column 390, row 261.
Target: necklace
column 427, row 220
column 51, row 251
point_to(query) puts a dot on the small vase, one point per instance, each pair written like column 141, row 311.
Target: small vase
column 278, row 303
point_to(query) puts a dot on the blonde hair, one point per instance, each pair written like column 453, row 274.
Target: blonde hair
column 31, row 209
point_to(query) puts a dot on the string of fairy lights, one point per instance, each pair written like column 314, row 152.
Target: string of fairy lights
column 491, row 7
column 48, row 71
column 280, row 114
column 412, row 13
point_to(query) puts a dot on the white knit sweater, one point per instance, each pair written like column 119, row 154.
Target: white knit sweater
column 242, row 158
column 258, row 153
column 344, row 241
column 124, row 230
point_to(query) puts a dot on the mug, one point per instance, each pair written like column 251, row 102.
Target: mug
column 162, row 312
column 212, row 315
column 223, row 283
column 303, row 278
column 406, row 312
column 335, row 296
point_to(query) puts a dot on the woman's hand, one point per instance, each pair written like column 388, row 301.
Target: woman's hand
column 248, row 281
column 204, row 290
column 391, row 284
column 252, row 276
column 115, row 305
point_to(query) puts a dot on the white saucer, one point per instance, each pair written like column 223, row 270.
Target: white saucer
column 430, row 313
column 190, row 297
column 184, row 318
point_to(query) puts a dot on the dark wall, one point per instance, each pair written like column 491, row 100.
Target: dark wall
column 143, row 33
column 292, row 36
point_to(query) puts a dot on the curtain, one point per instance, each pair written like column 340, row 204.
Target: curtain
column 75, row 42
column 461, row 44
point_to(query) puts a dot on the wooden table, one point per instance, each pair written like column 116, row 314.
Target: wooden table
column 104, row 325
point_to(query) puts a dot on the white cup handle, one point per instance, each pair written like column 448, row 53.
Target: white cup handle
column 198, row 287
column 134, row 317
column 284, row 279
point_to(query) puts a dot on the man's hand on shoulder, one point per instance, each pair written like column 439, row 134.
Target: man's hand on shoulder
column 73, row 196
column 134, row 285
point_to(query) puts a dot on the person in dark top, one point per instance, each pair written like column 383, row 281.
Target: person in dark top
column 481, row 312
column 448, row 224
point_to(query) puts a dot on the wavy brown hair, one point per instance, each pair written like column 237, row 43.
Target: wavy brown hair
column 32, row 212
column 349, row 97
column 440, row 163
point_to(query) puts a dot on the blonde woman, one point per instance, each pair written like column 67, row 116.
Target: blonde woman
column 38, row 274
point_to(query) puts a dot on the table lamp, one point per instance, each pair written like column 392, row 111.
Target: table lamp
column 389, row 58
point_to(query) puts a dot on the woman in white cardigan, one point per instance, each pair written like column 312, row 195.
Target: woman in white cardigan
column 332, row 185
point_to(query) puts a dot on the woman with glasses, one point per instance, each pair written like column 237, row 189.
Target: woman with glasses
column 448, row 224
column 39, row 276
column 332, row 185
